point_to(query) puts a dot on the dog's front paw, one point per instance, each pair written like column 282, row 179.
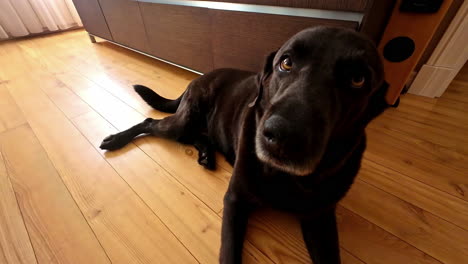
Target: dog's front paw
column 113, row 142
column 207, row 161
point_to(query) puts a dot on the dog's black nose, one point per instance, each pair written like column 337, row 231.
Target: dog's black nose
column 276, row 130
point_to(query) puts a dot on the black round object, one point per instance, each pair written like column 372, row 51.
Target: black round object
column 398, row 49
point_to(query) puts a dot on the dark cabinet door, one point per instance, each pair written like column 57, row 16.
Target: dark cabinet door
column 92, row 17
column 243, row 40
column 125, row 23
column 180, row 34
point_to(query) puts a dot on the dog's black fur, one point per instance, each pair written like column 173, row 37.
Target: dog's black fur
column 294, row 136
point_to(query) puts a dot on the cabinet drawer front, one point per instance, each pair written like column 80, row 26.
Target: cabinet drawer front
column 243, row 40
column 125, row 23
column 92, row 18
column 179, row 34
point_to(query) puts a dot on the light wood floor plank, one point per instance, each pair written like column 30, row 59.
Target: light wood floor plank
column 195, row 224
column 9, row 53
column 178, row 160
column 457, row 92
column 109, row 74
column 441, row 111
column 449, row 136
column 58, row 231
column 15, row 245
column 422, row 195
column 10, row 115
column 422, row 148
column 66, row 100
column 399, row 156
column 435, row 236
column 125, row 226
column 373, row 244
column 280, row 235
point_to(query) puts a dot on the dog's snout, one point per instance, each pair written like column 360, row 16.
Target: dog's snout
column 276, row 130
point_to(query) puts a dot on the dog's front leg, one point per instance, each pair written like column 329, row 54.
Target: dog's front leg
column 321, row 237
column 235, row 217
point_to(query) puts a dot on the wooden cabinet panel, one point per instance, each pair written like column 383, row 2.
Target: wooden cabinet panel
column 92, row 18
column 125, row 23
column 243, row 40
column 347, row 5
column 180, row 34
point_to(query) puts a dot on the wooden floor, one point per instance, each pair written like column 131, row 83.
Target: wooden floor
column 63, row 200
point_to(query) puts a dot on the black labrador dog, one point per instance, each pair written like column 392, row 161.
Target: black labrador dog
column 293, row 132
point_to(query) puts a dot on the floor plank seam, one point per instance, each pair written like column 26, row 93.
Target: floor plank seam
column 356, row 214
column 60, row 174
column 350, row 253
column 390, row 232
column 139, row 197
column 416, row 179
column 136, row 193
column 133, row 190
column 7, row 171
column 109, row 122
column 412, row 204
column 388, row 132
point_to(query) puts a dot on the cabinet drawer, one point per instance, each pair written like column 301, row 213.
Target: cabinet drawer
column 125, row 23
column 92, row 18
column 179, row 34
column 243, row 40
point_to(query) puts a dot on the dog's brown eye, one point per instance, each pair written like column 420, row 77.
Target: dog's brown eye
column 286, row 64
column 358, row 81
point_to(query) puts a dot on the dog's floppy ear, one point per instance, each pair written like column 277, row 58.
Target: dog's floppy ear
column 263, row 76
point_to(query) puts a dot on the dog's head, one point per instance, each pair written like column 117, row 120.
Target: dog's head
column 322, row 84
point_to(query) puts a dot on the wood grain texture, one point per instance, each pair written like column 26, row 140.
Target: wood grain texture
column 125, row 23
column 444, row 240
column 279, row 234
column 15, row 245
column 197, row 228
column 386, row 150
column 408, row 204
column 124, row 225
column 10, row 115
column 206, row 185
column 350, row 5
column 244, row 40
column 458, row 91
column 59, row 233
column 424, row 196
column 70, row 104
column 179, row 34
column 179, row 160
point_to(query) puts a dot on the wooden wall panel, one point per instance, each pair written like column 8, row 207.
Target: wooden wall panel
column 243, row 40
column 125, row 23
column 180, row 34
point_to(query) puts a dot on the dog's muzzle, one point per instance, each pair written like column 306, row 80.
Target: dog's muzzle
column 281, row 144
